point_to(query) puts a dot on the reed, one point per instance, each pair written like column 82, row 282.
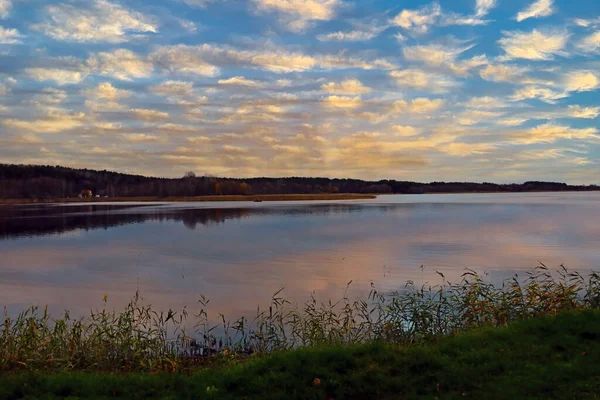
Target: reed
column 140, row 339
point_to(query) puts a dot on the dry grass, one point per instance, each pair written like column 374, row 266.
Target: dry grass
column 141, row 339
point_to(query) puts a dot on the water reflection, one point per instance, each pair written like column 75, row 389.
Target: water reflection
column 24, row 221
column 239, row 254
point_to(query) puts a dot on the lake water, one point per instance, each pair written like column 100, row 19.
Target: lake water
column 239, row 254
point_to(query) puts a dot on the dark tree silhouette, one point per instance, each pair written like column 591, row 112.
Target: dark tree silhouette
column 44, row 181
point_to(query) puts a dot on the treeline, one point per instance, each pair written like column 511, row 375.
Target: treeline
column 44, row 181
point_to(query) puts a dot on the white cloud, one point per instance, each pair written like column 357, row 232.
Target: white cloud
column 503, row 73
column 121, row 64
column 536, row 92
column 184, row 58
column 590, row 43
column 5, row 7
column 53, row 122
column 420, row 105
column 348, row 86
column 537, row 9
column 149, row 115
column 419, row 20
column 515, row 121
column 548, row 133
column 485, row 102
column 466, row 149
column 10, row 36
column 405, row 130
column 298, row 14
column 204, row 59
column 106, row 91
column 197, row 3
column 239, row 81
column 60, row 76
column 577, row 111
column 4, row 90
column 472, row 117
column 483, row 7
column 581, row 81
column 444, row 56
column 360, row 34
column 433, row 54
column 419, row 79
column 48, row 98
column 173, row 88
column 140, row 138
column 101, row 21
column 342, row 102
column 534, row 45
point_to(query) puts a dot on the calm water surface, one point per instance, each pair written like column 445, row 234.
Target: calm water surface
column 239, row 254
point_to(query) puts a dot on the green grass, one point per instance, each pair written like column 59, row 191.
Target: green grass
column 547, row 357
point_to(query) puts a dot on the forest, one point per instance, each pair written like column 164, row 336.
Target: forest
column 47, row 182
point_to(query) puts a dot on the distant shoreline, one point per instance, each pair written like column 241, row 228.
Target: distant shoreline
column 250, row 198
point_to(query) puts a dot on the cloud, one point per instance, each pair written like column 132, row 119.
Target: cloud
column 60, row 76
column 577, row 111
column 348, row 86
column 420, row 105
column 351, row 36
column 5, row 7
column 173, row 88
column 101, row 21
column 230, row 149
column 122, row 64
column 590, row 43
column 296, row 15
column 53, row 122
column 534, row 45
column 483, row 7
column 580, row 81
column 140, row 138
column 206, row 59
column 361, row 34
column 149, row 115
column 405, row 130
column 48, row 98
column 106, row 91
column 342, row 102
column 10, row 36
column 239, row 81
column 472, row 117
column 197, row 3
column 433, row 54
column 419, row 79
column 4, row 90
column 537, row 9
column 104, row 97
column 444, row 56
column 485, row 102
column 466, row 149
column 512, row 121
column 419, row 20
column 185, row 58
column 548, row 133
column 503, row 73
column 536, row 92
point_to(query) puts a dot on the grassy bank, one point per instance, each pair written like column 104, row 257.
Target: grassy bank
column 548, row 357
column 266, row 197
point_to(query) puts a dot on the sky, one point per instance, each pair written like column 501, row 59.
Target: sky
column 478, row 90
